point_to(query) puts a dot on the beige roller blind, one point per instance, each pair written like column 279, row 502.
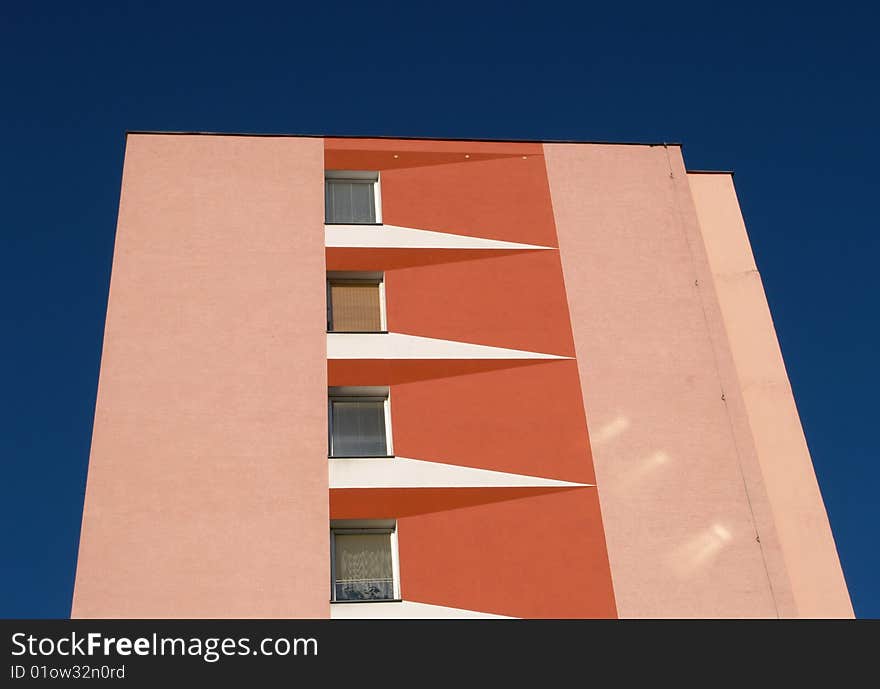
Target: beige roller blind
column 355, row 306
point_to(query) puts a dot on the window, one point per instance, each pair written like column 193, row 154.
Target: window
column 360, row 422
column 355, row 302
column 363, row 561
column 351, row 197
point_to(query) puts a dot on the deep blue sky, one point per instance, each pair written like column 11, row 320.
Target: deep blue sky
column 788, row 97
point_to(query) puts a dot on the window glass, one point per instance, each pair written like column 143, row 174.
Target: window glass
column 358, row 428
column 349, row 201
column 363, row 567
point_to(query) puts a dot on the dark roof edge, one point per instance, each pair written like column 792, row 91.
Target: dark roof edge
column 710, row 172
column 405, row 138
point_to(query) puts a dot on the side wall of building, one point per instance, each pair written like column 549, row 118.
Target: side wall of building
column 207, row 486
column 805, row 537
column 687, row 522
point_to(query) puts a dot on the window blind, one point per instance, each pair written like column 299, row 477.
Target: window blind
column 355, row 306
column 358, row 428
column 349, row 201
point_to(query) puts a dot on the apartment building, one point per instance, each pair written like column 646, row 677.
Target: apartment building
column 376, row 377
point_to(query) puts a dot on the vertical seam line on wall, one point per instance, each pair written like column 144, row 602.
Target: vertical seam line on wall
column 720, row 382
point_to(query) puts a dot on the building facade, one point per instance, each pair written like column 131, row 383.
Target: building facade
column 358, row 378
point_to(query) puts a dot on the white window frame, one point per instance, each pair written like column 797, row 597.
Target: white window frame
column 360, row 394
column 365, row 176
column 366, row 526
column 371, row 278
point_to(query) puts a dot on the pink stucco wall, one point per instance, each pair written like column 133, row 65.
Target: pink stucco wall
column 688, row 524
column 207, row 486
column 817, row 582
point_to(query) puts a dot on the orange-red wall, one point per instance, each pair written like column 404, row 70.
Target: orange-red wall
column 524, row 553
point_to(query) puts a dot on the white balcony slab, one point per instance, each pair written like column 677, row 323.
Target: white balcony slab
column 395, row 237
column 399, row 346
column 401, row 472
column 405, row 610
